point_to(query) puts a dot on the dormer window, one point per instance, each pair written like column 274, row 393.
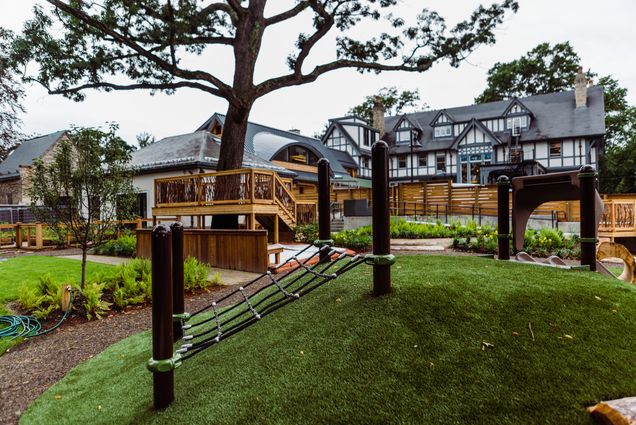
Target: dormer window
column 403, row 136
column 517, row 124
column 443, row 131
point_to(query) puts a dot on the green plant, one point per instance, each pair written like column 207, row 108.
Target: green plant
column 123, row 246
column 195, row 274
column 353, row 239
column 306, row 233
column 131, row 283
column 43, row 299
column 93, row 302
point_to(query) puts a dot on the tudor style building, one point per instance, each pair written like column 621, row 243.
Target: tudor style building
column 477, row 143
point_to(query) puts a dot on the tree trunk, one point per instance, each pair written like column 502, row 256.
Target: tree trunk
column 83, row 278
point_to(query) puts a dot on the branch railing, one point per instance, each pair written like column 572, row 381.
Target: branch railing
column 243, row 186
column 618, row 217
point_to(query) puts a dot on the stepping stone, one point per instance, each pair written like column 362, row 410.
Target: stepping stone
column 615, row 412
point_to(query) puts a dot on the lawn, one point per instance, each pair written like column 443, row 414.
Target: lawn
column 25, row 271
column 340, row 356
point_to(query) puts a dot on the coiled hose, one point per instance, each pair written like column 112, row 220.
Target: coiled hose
column 28, row 326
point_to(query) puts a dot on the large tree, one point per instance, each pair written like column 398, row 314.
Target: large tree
column 394, row 102
column 547, row 69
column 85, row 188
column 146, row 44
column 11, row 95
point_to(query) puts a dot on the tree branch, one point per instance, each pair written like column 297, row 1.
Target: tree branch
column 224, row 90
column 147, row 86
column 288, row 14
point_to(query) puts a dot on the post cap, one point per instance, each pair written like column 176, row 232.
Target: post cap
column 322, row 161
column 587, row 169
column 161, row 230
column 380, row 144
column 176, row 225
column 503, row 180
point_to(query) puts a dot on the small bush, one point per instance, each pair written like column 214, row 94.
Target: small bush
column 42, row 300
column 93, row 302
column 306, row 233
column 132, row 283
column 123, row 246
column 195, row 274
column 353, row 239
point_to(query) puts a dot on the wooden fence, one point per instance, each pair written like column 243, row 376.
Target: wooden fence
column 244, row 250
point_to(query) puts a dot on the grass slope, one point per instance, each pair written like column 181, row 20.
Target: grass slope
column 340, row 356
column 26, row 270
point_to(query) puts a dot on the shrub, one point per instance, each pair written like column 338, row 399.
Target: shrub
column 123, row 246
column 352, row 239
column 93, row 302
column 195, row 275
column 132, row 283
column 43, row 299
column 306, row 233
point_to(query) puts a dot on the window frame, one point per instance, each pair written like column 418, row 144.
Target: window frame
column 438, row 134
column 399, row 161
column 558, row 154
column 437, row 163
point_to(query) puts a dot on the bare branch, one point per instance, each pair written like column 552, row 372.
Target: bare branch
column 147, row 86
column 288, row 14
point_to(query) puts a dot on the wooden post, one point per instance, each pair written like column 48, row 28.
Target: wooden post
column 163, row 380
column 28, row 235
column 503, row 217
column 139, row 224
column 587, row 178
column 381, row 217
column 324, row 199
column 18, row 235
column 66, row 297
column 178, row 304
column 39, row 236
column 253, row 221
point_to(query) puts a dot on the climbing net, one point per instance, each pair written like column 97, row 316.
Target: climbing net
column 304, row 276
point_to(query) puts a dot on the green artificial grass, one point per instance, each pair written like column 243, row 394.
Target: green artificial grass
column 339, row 356
column 26, row 270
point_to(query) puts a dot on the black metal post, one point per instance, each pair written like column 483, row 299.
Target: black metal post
column 178, row 304
column 381, row 216
column 503, row 217
column 587, row 178
column 163, row 381
column 324, row 200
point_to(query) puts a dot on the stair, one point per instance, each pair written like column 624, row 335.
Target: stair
column 285, row 231
column 337, row 225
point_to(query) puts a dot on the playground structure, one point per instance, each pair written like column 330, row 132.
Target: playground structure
column 530, row 192
column 170, row 322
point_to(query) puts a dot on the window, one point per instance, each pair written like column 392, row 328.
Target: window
column 402, row 161
column 301, row 155
column 365, row 162
column 443, row 131
column 403, row 136
column 441, row 163
column 421, row 160
column 555, row 149
column 366, row 140
column 519, row 122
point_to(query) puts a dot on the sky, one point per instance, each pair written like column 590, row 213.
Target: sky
column 602, row 33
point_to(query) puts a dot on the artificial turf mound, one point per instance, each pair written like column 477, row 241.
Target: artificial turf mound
column 340, row 356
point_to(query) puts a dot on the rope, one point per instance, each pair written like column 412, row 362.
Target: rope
column 287, row 297
column 28, row 326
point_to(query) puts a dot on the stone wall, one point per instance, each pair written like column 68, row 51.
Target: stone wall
column 11, row 191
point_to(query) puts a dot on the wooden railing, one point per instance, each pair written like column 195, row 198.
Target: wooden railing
column 618, row 218
column 244, row 186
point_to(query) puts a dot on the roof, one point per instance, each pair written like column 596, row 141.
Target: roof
column 343, row 158
column 200, row 148
column 554, row 116
column 26, row 153
column 267, row 149
column 321, row 151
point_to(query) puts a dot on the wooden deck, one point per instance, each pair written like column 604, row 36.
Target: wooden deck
column 260, row 195
column 618, row 217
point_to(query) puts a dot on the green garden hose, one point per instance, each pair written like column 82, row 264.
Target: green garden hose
column 28, row 326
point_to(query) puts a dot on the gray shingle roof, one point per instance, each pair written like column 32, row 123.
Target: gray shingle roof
column 200, row 148
column 555, row 116
column 321, row 151
column 24, row 154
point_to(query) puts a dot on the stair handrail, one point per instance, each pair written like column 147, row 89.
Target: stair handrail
column 278, row 182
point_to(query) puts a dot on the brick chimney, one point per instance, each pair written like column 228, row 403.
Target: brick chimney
column 580, row 89
column 378, row 115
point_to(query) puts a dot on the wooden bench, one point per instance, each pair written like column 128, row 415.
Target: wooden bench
column 275, row 249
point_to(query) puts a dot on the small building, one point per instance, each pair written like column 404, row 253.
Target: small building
column 15, row 170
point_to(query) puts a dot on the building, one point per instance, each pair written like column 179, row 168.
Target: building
column 15, row 170
column 477, row 143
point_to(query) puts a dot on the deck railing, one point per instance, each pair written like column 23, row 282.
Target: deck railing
column 618, row 218
column 243, row 186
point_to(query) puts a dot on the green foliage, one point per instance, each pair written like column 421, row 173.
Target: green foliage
column 357, row 239
column 43, row 299
column 93, row 302
column 123, row 246
column 306, row 233
column 544, row 69
column 394, row 103
column 195, row 275
column 132, row 283
column 88, row 161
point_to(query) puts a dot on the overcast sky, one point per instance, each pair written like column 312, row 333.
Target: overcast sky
column 603, row 34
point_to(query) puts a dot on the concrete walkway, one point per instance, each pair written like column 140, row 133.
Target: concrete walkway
column 228, row 277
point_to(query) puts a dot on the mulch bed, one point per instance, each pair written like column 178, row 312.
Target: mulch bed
column 30, row 368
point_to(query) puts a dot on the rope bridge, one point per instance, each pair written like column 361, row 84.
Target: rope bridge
column 299, row 281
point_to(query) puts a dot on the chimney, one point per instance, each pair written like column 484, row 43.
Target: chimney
column 580, row 89
column 378, row 115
